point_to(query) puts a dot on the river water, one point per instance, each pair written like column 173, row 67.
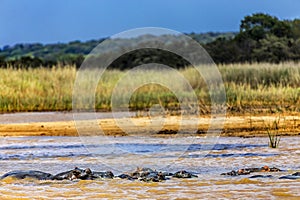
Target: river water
column 124, row 154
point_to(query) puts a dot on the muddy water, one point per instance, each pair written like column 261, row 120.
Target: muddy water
column 121, row 154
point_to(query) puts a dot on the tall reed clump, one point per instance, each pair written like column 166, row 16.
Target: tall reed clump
column 273, row 134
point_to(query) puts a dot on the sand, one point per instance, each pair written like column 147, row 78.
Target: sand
column 62, row 124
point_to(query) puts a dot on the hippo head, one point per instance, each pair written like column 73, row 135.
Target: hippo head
column 80, row 173
column 265, row 169
column 243, row 172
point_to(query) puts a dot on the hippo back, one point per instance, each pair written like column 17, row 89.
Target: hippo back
column 28, row 174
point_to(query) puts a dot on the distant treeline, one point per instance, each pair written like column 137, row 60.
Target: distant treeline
column 262, row 38
column 73, row 53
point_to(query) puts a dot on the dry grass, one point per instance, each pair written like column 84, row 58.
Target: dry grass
column 249, row 88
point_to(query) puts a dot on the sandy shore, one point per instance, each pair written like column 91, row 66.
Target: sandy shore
column 62, row 124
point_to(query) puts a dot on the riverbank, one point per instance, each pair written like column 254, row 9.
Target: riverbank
column 62, row 124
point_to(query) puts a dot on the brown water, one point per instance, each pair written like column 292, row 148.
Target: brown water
column 121, row 154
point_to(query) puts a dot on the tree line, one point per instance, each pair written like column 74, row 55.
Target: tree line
column 261, row 38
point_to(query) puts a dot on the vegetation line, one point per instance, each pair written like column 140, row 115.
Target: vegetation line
column 270, row 88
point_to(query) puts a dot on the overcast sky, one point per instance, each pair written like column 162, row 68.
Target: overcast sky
column 52, row 21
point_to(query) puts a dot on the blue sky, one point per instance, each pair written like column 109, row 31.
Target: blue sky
column 52, row 21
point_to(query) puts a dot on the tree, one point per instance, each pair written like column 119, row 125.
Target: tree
column 272, row 49
column 264, row 38
column 259, row 25
column 295, row 28
column 223, row 51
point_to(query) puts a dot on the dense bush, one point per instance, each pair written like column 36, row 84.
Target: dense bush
column 262, row 38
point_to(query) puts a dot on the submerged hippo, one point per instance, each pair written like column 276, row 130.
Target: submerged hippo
column 247, row 171
column 107, row 174
column 261, row 176
column 76, row 173
column 184, row 174
column 293, row 176
column 82, row 174
column 237, row 173
column 150, row 175
column 28, row 174
column 144, row 174
column 263, row 169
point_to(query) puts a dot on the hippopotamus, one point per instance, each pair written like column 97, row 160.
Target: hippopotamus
column 261, row 176
column 76, row 173
column 82, row 174
column 263, row 169
column 238, row 172
column 125, row 176
column 296, row 174
column 184, row 174
column 99, row 175
column 150, row 175
column 144, row 174
column 28, row 174
column 247, row 171
column 153, row 177
column 293, row 176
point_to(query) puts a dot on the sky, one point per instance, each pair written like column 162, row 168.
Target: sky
column 53, row 21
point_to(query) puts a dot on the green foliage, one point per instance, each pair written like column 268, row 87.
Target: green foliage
column 272, row 49
column 205, row 38
column 73, row 53
column 259, row 25
column 262, row 38
column 296, row 28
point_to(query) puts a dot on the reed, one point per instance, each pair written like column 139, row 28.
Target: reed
column 251, row 88
column 274, row 136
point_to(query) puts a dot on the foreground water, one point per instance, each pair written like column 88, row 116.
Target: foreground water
column 122, row 154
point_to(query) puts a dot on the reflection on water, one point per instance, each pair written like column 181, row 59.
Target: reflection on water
column 121, row 154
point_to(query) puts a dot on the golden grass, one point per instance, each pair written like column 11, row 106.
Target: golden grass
column 36, row 89
column 249, row 88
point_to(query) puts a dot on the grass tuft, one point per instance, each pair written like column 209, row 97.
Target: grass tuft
column 274, row 137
